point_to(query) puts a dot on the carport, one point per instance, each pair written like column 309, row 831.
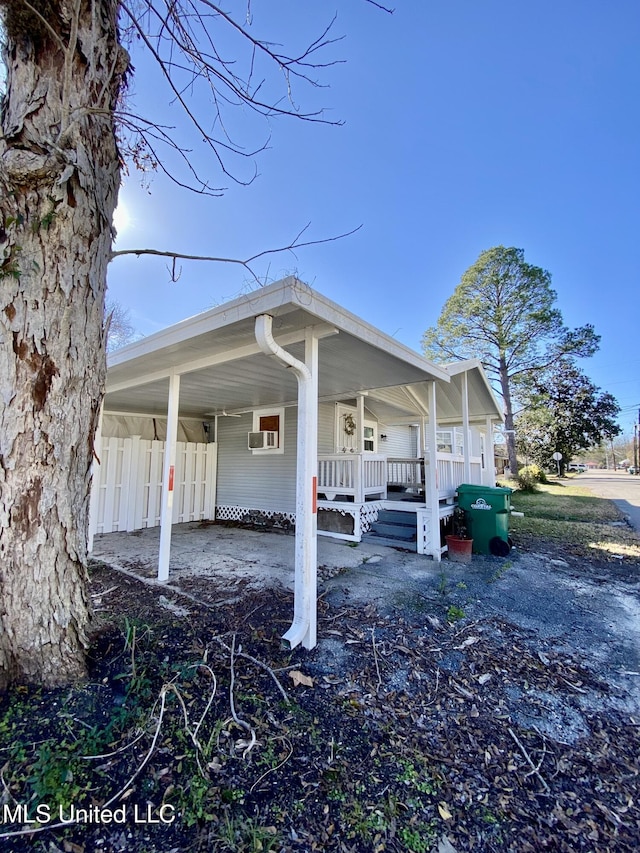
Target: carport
column 283, row 345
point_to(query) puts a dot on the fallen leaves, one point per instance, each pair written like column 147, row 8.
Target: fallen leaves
column 443, row 811
column 405, row 730
column 299, row 678
column 470, row 641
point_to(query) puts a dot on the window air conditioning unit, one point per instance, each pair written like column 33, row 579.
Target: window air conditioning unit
column 264, row 440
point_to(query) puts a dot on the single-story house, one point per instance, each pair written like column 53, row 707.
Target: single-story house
column 281, row 408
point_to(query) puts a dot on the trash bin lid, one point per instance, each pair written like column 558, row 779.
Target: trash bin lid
column 473, row 488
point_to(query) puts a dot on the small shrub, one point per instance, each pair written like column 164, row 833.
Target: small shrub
column 526, row 482
column 541, row 474
column 455, row 613
column 529, row 476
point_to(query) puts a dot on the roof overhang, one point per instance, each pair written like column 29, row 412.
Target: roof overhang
column 223, row 370
column 483, row 403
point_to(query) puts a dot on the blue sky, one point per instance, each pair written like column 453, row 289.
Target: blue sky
column 467, row 125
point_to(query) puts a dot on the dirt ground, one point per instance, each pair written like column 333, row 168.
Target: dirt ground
column 587, row 608
column 447, row 708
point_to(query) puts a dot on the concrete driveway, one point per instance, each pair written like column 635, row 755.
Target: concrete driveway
column 622, row 488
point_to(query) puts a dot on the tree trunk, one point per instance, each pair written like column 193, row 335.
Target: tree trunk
column 508, row 418
column 59, row 178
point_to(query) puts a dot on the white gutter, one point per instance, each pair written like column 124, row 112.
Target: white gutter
column 304, row 626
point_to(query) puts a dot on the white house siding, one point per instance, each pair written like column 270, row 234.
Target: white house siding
column 476, row 442
column 401, row 441
column 260, row 481
column 266, row 482
column 326, row 428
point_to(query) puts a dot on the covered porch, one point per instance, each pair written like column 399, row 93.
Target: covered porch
column 453, row 425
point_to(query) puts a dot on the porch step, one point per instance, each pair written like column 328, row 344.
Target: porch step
column 389, row 542
column 397, row 518
column 394, row 528
column 394, row 531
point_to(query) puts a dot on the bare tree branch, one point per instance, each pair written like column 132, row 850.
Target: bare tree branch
column 380, row 6
column 179, row 35
column 246, row 262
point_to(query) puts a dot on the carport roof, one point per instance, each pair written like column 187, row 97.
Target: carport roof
column 223, row 370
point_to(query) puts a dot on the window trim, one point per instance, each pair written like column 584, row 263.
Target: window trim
column 373, row 426
column 269, row 413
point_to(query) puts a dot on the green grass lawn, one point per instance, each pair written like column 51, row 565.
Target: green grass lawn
column 566, row 514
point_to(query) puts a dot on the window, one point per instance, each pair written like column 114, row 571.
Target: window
column 450, row 441
column 369, row 438
column 271, row 423
column 445, row 444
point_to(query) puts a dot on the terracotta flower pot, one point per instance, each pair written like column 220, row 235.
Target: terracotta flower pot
column 459, row 550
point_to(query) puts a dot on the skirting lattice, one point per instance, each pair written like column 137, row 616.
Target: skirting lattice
column 369, row 514
column 238, row 513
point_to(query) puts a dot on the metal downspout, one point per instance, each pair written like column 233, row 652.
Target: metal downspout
column 304, row 626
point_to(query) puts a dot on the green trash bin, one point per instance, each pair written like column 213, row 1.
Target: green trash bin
column 487, row 512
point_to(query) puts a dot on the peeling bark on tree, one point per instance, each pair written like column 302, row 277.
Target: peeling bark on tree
column 59, row 178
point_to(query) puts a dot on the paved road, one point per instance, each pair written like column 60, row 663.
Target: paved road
column 622, row 488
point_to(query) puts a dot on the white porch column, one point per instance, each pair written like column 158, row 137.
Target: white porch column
column 304, row 626
column 94, row 497
column 489, row 478
column 306, row 571
column 466, row 433
column 433, row 503
column 169, row 467
column 360, row 418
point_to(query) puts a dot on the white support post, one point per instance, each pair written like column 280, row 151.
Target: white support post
column 306, row 492
column 304, row 626
column 168, row 477
column 94, row 498
column 489, row 478
column 466, row 432
column 430, row 432
column 360, row 419
column 210, row 480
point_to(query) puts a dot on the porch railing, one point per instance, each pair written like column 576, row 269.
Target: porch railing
column 353, row 475
column 356, row 476
column 451, row 473
column 406, row 473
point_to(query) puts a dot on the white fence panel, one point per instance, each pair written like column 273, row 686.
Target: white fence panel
column 129, row 483
column 152, row 482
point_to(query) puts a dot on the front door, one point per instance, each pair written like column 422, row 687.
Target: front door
column 346, row 428
column 347, row 431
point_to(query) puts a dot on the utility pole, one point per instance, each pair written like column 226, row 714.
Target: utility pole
column 636, row 430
